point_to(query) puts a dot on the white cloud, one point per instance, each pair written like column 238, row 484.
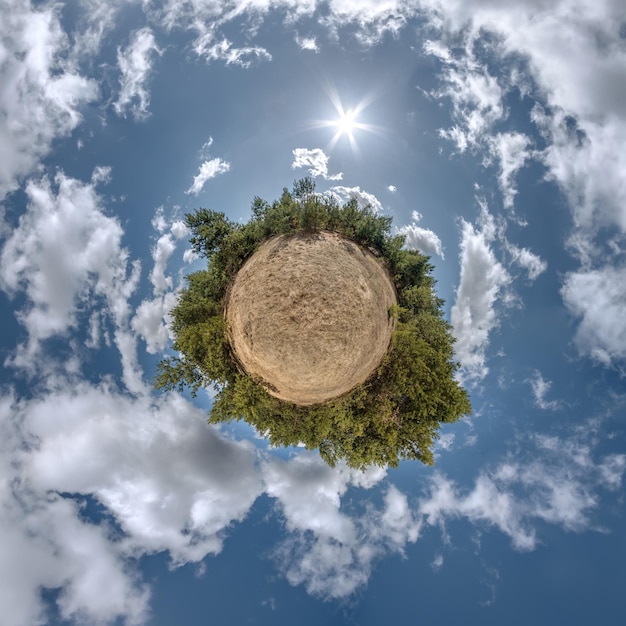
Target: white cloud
column 48, row 544
column 540, row 388
column 316, row 160
column 209, row 169
column 42, row 92
column 326, row 550
column 64, row 253
column 152, row 318
column 473, row 314
column 598, row 299
column 392, row 188
column 570, row 57
column 175, row 485
column 363, row 198
column 512, row 152
column 445, row 442
column 583, row 158
column 206, row 147
column 223, row 50
column 164, row 248
column 370, row 20
column 422, row 239
column 477, row 98
column 331, row 552
column 135, row 65
column 94, row 21
column 307, row 43
column 373, row 19
column 310, row 494
column 151, row 321
column 397, row 523
column 533, row 264
column 172, row 483
column 556, row 484
column 475, row 94
column 437, row 562
column 167, row 479
column 51, row 547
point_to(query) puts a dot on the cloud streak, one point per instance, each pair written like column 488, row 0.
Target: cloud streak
column 209, row 168
column 135, row 63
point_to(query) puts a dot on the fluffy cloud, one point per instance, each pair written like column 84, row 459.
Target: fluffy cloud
column 42, row 91
column 556, row 484
column 316, row 160
column 94, row 21
column 363, row 198
column 372, row 20
column 208, row 169
column 307, row 43
column 580, row 158
column 135, row 63
column 65, row 252
column 151, row 321
column 332, row 551
column 475, row 95
column 172, row 483
column 335, row 567
column 477, row 99
column 48, row 544
column 169, row 482
column 422, row 239
column 570, row 57
column 473, row 314
column 326, row 550
column 598, row 299
column 152, row 317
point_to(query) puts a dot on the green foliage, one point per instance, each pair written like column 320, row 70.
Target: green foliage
column 395, row 414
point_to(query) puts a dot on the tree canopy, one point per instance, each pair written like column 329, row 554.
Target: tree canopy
column 395, row 414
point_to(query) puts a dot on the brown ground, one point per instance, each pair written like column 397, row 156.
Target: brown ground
column 309, row 315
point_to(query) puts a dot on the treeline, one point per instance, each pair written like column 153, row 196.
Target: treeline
column 395, row 414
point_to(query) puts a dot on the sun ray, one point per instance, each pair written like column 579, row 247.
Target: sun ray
column 346, row 123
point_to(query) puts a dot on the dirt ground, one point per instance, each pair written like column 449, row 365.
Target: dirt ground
column 308, row 314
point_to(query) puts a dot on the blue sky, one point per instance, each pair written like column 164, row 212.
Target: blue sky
column 492, row 134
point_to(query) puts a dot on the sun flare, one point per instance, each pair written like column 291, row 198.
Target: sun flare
column 347, row 122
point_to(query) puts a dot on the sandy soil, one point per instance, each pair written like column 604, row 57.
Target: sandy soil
column 308, row 314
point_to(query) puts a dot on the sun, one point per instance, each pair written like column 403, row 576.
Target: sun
column 347, row 122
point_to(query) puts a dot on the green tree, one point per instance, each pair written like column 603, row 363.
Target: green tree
column 396, row 414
